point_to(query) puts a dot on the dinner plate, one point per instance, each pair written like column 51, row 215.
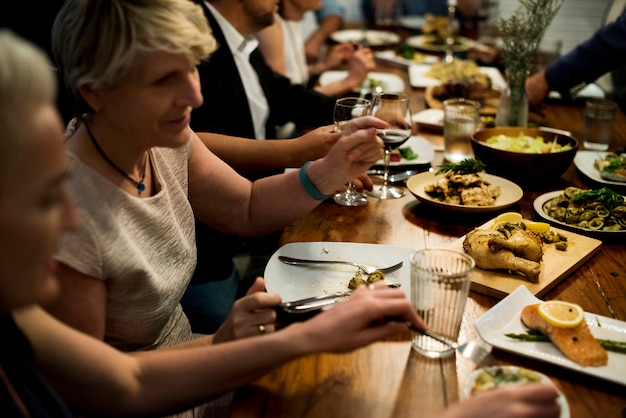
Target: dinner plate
column 429, row 118
column 412, row 22
column 372, row 37
column 590, row 91
column 420, row 146
column 425, row 42
column 418, row 78
column 504, row 318
column 539, row 203
column 298, row 282
column 471, row 381
column 510, row 193
column 584, row 163
column 390, row 83
column 390, row 57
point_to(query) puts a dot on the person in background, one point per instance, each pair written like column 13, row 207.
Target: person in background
column 318, row 26
column 140, row 176
column 605, row 51
column 283, row 47
column 49, row 369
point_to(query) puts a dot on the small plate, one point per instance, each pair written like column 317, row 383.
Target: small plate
column 390, row 83
column 418, row 78
column 425, row 42
column 539, row 203
column 467, row 389
column 504, row 318
column 510, row 193
column 590, row 91
column 412, row 21
column 299, row 282
column 372, row 37
column 584, row 162
column 429, row 118
column 421, row 146
column 391, row 57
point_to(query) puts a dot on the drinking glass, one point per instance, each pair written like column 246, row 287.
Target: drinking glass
column 393, row 109
column 345, row 109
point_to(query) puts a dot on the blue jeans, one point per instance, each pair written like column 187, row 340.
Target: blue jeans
column 207, row 304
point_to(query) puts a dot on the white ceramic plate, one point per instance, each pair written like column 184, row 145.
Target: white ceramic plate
column 590, row 91
column 423, row 42
column 390, row 83
column 561, row 400
column 421, row 146
column 546, row 197
column 504, row 318
column 391, row 57
column 412, row 22
column 418, row 78
column 510, row 193
column 298, row 282
column 372, row 37
column 584, row 162
column 431, row 118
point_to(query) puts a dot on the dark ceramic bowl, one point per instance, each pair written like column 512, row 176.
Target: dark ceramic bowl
column 520, row 166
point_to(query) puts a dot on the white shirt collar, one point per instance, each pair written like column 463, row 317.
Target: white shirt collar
column 237, row 43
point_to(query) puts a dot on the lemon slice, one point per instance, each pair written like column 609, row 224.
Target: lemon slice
column 561, row 314
column 509, row 217
column 538, row 226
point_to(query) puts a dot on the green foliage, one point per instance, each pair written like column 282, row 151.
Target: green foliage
column 467, row 166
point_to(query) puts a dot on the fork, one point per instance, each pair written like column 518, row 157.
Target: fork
column 367, row 269
column 475, row 351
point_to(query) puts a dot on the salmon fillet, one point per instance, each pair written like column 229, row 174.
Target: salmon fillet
column 577, row 343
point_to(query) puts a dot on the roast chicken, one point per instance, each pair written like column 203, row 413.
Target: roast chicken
column 518, row 251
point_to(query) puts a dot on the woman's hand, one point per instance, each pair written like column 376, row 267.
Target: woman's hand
column 369, row 315
column 252, row 315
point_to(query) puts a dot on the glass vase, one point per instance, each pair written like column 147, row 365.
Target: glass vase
column 513, row 107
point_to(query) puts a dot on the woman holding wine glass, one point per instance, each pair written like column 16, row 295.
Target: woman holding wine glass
column 393, row 109
column 347, row 108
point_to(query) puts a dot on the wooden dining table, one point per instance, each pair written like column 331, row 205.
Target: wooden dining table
column 388, row 379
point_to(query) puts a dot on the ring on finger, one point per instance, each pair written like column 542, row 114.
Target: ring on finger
column 262, row 329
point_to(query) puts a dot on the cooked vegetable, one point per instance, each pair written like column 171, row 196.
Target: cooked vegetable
column 536, row 336
column 407, row 153
column 467, row 166
column 526, row 144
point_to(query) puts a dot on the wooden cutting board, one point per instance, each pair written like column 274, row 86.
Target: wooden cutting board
column 555, row 266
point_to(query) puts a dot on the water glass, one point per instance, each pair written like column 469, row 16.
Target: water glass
column 461, row 119
column 440, row 283
column 599, row 117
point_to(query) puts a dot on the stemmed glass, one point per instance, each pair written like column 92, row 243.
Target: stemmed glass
column 393, row 109
column 345, row 109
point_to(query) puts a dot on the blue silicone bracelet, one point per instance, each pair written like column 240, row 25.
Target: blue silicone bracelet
column 308, row 185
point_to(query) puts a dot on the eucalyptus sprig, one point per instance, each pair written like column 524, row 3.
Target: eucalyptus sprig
column 522, row 32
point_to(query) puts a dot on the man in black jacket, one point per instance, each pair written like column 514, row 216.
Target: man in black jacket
column 243, row 97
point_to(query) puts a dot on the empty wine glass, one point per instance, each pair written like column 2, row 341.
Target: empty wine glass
column 345, row 109
column 393, row 109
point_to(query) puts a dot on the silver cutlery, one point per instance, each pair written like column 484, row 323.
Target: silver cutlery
column 476, row 351
column 367, row 269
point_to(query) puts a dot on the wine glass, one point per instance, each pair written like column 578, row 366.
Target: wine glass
column 345, row 109
column 393, row 109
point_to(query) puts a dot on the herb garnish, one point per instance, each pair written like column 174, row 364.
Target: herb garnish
column 467, row 166
column 607, row 197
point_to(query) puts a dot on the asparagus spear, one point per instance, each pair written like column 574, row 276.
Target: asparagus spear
column 534, row 335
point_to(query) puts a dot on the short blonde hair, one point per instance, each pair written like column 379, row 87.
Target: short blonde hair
column 95, row 42
column 26, row 80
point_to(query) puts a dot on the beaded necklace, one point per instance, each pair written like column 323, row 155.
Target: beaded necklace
column 138, row 184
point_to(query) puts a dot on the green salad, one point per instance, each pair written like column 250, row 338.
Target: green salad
column 526, row 144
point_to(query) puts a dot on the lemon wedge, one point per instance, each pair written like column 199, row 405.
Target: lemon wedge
column 537, row 226
column 561, row 314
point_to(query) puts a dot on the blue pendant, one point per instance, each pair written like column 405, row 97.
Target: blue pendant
column 140, row 187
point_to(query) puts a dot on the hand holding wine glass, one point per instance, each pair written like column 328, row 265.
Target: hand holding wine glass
column 393, row 109
column 345, row 109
